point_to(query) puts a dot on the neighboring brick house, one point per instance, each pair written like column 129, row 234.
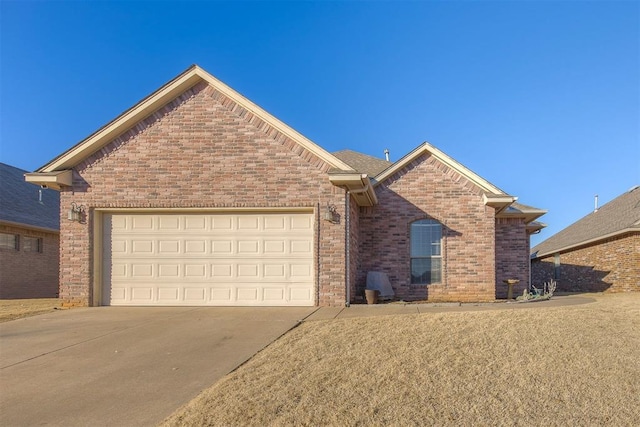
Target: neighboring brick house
column 197, row 196
column 29, row 237
column 598, row 253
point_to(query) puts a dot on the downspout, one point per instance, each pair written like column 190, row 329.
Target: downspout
column 347, row 248
column 347, row 206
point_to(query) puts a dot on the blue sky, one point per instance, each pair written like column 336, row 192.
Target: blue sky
column 542, row 98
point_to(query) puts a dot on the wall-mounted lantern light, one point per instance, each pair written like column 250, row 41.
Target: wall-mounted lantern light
column 331, row 215
column 76, row 212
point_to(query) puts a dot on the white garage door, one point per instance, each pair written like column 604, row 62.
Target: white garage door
column 212, row 259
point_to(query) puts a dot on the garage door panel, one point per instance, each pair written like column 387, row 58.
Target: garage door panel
column 248, row 247
column 195, row 222
column 273, row 294
column 168, row 247
column 274, row 222
column 249, row 222
column 170, row 271
column 142, row 294
column 168, row 295
column 141, row 222
column 274, row 271
column 141, row 271
column 301, row 222
column 222, row 222
column 221, row 247
column 221, row 295
column 212, row 259
column 247, row 271
column 195, row 247
column 194, row 294
column 299, row 294
column 222, row 270
column 301, row 247
column 166, row 222
column 247, row 294
column 195, row 270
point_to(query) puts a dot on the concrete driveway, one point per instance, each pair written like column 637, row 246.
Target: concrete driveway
column 122, row 366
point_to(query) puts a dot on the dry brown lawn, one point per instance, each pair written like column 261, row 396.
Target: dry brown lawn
column 575, row 365
column 11, row 309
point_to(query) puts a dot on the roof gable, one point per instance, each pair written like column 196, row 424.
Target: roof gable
column 162, row 96
column 21, row 204
column 620, row 215
column 484, row 185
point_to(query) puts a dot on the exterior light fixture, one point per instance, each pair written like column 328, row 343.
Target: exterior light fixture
column 76, row 212
column 331, row 215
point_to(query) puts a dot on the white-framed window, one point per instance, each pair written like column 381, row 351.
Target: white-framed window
column 31, row 244
column 426, row 252
column 9, row 241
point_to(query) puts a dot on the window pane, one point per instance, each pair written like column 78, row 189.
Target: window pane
column 436, row 270
column 8, row 241
column 418, row 243
column 420, row 270
column 31, row 244
column 426, row 235
column 426, row 270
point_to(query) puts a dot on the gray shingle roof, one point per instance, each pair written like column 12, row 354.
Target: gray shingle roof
column 363, row 163
column 19, row 201
column 620, row 214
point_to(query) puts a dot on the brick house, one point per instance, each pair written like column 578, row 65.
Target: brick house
column 598, row 253
column 197, row 196
column 29, row 237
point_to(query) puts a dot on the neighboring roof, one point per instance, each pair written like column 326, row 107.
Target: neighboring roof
column 20, row 201
column 187, row 79
column 363, row 163
column 621, row 215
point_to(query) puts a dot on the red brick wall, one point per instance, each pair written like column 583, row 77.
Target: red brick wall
column 612, row 265
column 427, row 188
column 512, row 255
column 29, row 274
column 201, row 150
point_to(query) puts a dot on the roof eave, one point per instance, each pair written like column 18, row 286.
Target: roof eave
column 29, row 226
column 57, row 180
column 356, row 184
column 535, row 227
column 528, row 216
column 498, row 201
column 588, row 242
